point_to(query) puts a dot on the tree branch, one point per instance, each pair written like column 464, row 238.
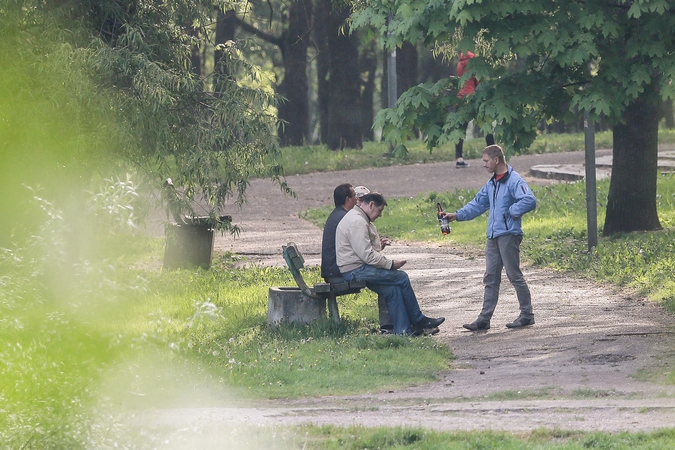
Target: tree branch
column 261, row 34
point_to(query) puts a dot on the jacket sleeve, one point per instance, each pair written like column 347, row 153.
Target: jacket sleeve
column 475, row 207
column 524, row 199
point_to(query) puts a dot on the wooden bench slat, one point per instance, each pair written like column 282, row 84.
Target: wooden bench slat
column 295, row 262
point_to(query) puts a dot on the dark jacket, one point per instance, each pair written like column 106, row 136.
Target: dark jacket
column 329, row 267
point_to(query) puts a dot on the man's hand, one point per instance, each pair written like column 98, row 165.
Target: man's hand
column 450, row 216
column 398, row 264
column 384, row 242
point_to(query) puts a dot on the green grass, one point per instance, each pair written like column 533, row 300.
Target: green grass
column 330, row 437
column 220, row 317
column 67, row 324
column 310, row 159
column 555, row 235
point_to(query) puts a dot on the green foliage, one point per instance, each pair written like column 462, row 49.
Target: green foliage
column 537, row 61
column 121, row 91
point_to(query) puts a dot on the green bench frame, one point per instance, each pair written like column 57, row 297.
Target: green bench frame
column 329, row 291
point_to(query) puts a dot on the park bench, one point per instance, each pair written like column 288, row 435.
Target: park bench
column 328, row 291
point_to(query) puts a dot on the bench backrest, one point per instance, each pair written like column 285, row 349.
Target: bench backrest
column 295, row 262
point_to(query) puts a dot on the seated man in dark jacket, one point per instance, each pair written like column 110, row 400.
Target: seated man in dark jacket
column 345, row 198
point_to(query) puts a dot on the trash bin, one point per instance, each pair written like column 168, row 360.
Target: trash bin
column 190, row 244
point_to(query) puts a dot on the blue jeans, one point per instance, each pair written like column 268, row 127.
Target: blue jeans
column 394, row 286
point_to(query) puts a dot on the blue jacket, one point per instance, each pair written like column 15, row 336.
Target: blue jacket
column 507, row 199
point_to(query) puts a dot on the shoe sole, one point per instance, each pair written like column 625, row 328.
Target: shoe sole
column 514, row 326
column 476, row 328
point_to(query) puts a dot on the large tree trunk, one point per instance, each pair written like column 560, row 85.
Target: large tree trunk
column 344, row 111
column 294, row 111
column 631, row 204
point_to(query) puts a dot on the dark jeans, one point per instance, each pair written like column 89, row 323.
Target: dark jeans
column 459, row 147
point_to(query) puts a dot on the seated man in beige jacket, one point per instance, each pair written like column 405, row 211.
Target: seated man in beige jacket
column 357, row 258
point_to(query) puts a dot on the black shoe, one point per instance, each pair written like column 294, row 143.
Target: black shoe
column 520, row 322
column 477, row 325
column 428, row 322
column 461, row 164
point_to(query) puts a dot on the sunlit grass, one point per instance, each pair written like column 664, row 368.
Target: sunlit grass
column 220, row 318
column 358, row 437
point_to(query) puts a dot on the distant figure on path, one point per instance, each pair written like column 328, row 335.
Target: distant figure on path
column 468, row 89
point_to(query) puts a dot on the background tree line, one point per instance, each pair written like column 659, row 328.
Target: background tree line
column 310, row 43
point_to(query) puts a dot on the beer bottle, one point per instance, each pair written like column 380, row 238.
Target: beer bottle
column 442, row 221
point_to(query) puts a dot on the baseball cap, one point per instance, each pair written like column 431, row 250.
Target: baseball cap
column 361, row 191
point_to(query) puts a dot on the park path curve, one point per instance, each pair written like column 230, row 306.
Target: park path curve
column 574, row 369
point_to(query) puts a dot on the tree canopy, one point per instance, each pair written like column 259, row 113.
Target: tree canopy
column 118, row 72
column 538, row 60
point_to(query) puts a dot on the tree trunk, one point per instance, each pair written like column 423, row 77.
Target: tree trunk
column 294, row 110
column 323, row 8
column 369, row 67
column 195, row 52
column 344, row 111
column 631, row 204
column 406, row 67
column 226, row 26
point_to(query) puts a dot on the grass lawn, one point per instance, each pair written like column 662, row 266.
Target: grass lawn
column 66, row 325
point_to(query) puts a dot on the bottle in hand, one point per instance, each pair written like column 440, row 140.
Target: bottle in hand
column 442, row 221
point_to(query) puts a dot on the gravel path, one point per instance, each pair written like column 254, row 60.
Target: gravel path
column 574, row 369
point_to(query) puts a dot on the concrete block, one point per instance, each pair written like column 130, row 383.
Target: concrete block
column 289, row 304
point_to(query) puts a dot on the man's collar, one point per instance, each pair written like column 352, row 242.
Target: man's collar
column 363, row 212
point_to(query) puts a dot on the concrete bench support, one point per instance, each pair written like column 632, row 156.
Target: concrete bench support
column 320, row 293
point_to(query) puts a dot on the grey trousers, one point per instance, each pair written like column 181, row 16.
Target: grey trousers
column 504, row 252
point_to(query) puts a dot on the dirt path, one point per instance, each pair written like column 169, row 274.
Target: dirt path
column 574, row 369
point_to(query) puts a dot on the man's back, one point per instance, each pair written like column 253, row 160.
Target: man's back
column 329, row 267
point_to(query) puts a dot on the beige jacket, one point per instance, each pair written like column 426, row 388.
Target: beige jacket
column 357, row 243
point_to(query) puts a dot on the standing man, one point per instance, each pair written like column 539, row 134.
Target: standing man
column 345, row 198
column 507, row 197
column 358, row 259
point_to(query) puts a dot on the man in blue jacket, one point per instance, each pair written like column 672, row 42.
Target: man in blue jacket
column 507, row 197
